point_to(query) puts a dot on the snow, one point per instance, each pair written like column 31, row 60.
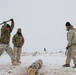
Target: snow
column 52, row 64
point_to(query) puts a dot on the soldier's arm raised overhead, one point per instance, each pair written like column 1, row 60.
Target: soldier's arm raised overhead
column 12, row 24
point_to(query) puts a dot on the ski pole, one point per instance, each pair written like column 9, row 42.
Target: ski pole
column 5, row 21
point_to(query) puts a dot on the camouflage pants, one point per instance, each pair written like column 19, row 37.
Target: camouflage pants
column 8, row 49
column 71, row 54
column 17, row 53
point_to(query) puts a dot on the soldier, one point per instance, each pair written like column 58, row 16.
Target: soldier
column 71, row 46
column 5, row 39
column 18, row 41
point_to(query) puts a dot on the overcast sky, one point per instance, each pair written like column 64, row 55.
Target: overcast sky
column 42, row 21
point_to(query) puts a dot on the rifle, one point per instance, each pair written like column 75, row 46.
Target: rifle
column 5, row 21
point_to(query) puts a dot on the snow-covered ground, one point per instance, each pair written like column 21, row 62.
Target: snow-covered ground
column 52, row 64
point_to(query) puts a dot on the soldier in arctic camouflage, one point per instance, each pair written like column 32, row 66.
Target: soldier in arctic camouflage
column 5, row 39
column 5, row 32
column 71, row 46
column 18, row 41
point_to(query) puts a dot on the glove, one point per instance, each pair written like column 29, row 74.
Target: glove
column 11, row 19
column 67, row 47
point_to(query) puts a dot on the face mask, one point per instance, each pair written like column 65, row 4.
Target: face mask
column 19, row 33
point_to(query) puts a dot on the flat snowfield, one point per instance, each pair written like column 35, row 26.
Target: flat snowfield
column 52, row 64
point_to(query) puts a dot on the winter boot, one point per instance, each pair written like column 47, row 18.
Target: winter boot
column 74, row 66
column 15, row 63
column 18, row 61
column 66, row 65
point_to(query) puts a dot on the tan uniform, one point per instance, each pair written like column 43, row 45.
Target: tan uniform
column 8, row 49
column 17, row 53
column 71, row 37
